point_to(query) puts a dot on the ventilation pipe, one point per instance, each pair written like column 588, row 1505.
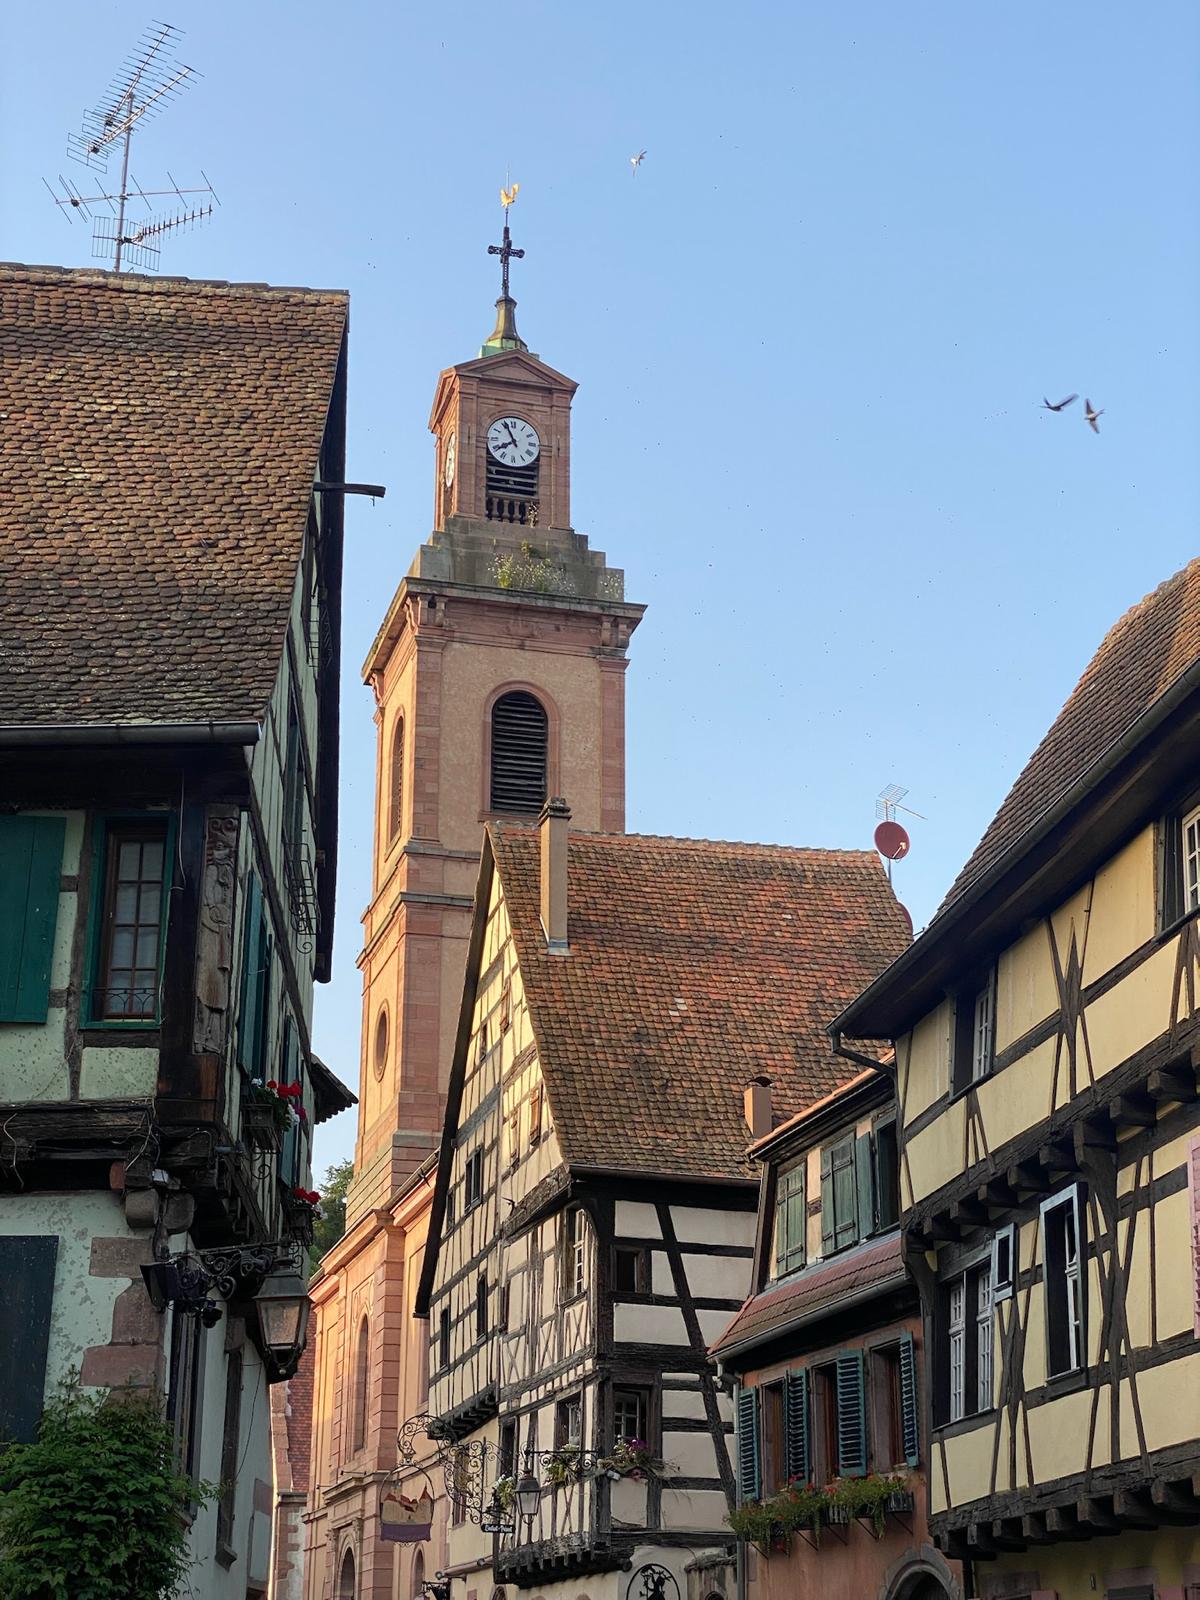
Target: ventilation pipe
column 553, row 825
column 756, row 1099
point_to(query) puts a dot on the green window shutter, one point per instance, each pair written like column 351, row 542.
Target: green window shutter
column 749, row 1456
column 31, row 851
column 263, row 1003
column 248, row 1003
column 828, row 1221
column 27, row 1272
column 865, row 1186
column 910, row 1425
column 795, row 1400
column 851, row 1415
column 287, row 1156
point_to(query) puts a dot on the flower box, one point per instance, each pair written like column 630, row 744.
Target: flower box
column 260, row 1126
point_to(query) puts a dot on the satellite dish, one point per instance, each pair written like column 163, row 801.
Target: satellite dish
column 907, row 915
column 892, row 841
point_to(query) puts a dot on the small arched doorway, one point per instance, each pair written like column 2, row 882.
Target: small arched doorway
column 347, row 1588
column 417, row 1587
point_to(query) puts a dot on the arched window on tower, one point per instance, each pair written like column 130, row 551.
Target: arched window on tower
column 396, row 783
column 520, row 739
column 361, row 1383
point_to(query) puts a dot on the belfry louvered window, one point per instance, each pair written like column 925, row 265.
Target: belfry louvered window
column 520, row 737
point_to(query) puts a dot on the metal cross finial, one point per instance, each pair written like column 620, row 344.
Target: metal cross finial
column 506, row 250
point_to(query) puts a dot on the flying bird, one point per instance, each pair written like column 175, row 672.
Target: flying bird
column 636, row 161
column 1090, row 416
column 1060, row 404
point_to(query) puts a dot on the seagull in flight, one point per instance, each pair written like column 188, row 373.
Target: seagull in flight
column 636, row 161
column 1046, row 404
column 1090, row 416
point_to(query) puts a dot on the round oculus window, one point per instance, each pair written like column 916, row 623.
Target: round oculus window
column 381, row 1041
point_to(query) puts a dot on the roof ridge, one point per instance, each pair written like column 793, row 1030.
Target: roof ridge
column 765, row 846
column 12, row 271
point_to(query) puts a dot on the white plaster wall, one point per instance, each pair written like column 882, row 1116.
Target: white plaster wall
column 108, row 1072
column 649, row 1325
column 83, row 1306
column 637, row 1220
column 696, row 1225
column 251, row 1537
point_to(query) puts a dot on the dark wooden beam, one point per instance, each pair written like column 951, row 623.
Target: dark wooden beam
column 1061, row 1523
column 1172, row 1083
column 968, row 1213
column 1026, row 1177
column 979, row 1537
column 1134, row 1510
column 1033, row 1528
column 1132, row 1110
column 998, row 1192
column 1006, row 1533
column 1058, row 1156
column 1092, row 1134
column 1174, row 1502
column 1095, row 1515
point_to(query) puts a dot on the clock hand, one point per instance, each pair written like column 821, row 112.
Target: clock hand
column 512, row 438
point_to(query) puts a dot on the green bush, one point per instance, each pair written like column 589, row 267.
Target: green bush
column 94, row 1510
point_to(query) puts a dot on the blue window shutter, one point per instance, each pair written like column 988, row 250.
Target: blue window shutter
column 864, row 1182
column 749, row 1457
column 30, row 867
column 266, row 951
column 248, row 1005
column 795, row 1401
column 851, row 1415
column 910, row 1424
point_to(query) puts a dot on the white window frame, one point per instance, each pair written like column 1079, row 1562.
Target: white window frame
column 1004, row 1263
column 625, row 1400
column 1070, row 1201
column 983, row 1031
column 1189, row 858
column 958, row 1348
column 576, row 1252
column 984, row 1337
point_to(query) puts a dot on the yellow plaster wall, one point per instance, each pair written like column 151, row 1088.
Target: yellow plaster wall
column 1020, row 1094
column 927, row 1050
column 935, row 1154
column 1123, row 906
column 1072, row 916
column 1026, row 992
column 1085, row 1571
column 1132, row 1012
column 969, row 1463
column 1175, row 1285
column 1058, row 1436
column 1163, row 1393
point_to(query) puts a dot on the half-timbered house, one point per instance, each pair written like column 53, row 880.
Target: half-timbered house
column 593, row 1220
column 169, row 610
column 831, row 1453
column 1047, row 1039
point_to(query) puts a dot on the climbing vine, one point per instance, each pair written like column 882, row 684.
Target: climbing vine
column 93, row 1510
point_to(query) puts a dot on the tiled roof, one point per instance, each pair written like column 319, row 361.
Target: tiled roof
column 813, row 1293
column 158, row 442
column 1141, row 658
column 694, row 966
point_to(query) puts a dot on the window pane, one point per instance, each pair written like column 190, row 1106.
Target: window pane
column 129, row 857
column 125, row 905
column 121, row 956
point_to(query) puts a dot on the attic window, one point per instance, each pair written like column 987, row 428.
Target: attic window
column 520, row 738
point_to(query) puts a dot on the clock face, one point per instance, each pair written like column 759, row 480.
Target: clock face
column 514, row 442
column 451, row 455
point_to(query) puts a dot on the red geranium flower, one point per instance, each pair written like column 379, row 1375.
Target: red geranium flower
column 271, row 1084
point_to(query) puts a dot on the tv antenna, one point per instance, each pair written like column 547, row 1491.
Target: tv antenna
column 891, row 840
column 149, row 80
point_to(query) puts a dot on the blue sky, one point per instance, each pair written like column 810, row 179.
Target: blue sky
column 812, row 337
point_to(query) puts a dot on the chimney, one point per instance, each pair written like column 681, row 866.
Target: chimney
column 553, row 825
column 756, row 1099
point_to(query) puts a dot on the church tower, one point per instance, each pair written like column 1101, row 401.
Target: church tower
column 498, row 676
